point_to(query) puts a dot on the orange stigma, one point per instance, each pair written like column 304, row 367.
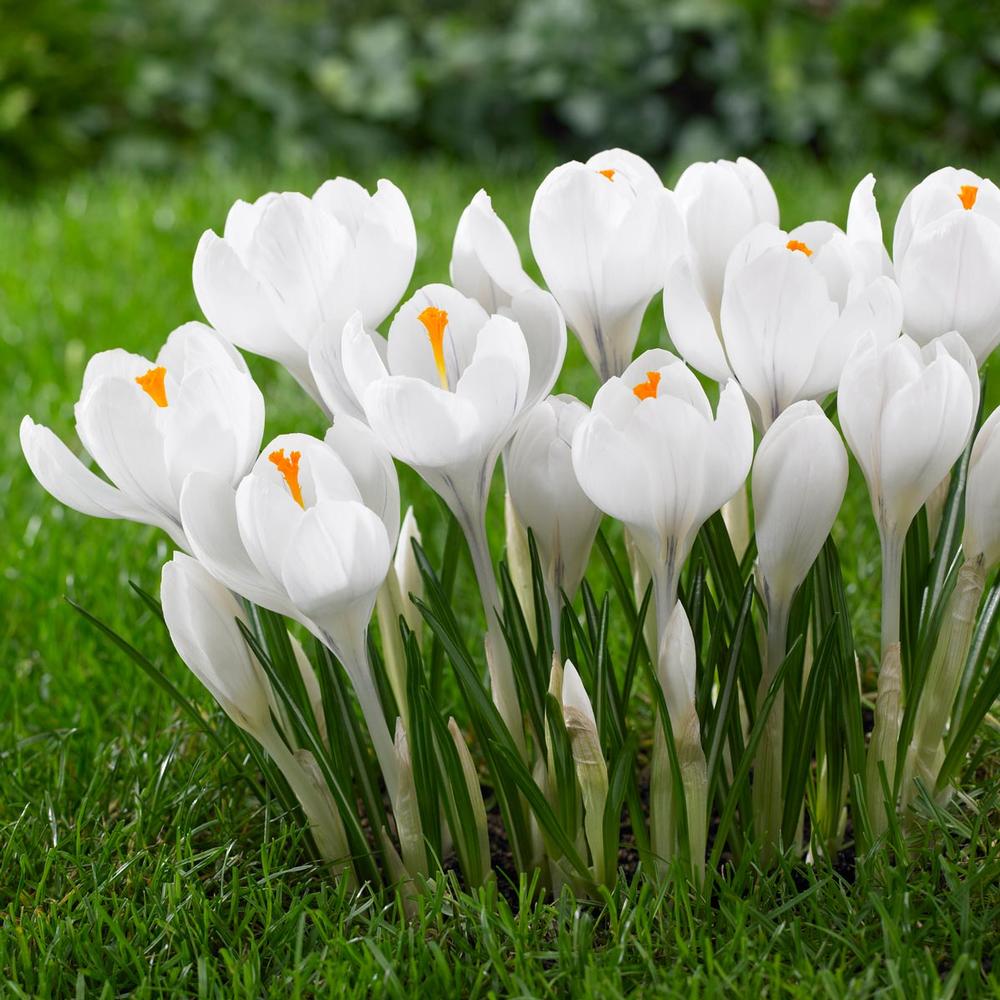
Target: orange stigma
column 648, row 389
column 609, row 173
column 289, row 469
column 435, row 320
column 152, row 384
column 967, row 195
column 798, row 245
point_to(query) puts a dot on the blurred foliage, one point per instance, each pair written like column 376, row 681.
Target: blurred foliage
column 143, row 83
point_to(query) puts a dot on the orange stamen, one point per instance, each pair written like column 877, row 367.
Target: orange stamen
column 435, row 320
column 609, row 173
column 967, row 195
column 289, row 469
column 648, row 389
column 152, row 384
column 798, row 245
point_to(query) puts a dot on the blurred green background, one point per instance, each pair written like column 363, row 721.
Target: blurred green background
column 150, row 84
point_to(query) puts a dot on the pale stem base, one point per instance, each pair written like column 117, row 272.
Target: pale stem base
column 924, row 756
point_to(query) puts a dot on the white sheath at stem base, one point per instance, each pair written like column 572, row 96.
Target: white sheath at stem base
column 924, row 757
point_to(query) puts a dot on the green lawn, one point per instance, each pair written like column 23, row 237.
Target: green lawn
column 132, row 859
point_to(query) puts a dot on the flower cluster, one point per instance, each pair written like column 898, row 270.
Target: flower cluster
column 739, row 685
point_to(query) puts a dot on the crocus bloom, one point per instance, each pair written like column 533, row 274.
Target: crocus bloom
column 309, row 533
column 547, row 497
column 720, row 203
column 907, row 414
column 946, row 251
column 148, row 424
column 651, row 454
column 603, row 233
column 798, row 483
column 288, row 267
column 201, row 616
column 446, row 401
column 794, row 306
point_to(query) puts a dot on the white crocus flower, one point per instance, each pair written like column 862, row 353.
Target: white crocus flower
column 720, row 203
column 201, row 616
column 309, row 533
column 548, row 499
column 651, row 454
column 794, row 306
column 446, row 401
column 946, row 251
column 798, row 484
column 603, row 233
column 907, row 415
column 289, row 268
column 148, row 424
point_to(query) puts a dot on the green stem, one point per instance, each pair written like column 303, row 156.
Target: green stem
column 888, row 699
column 767, row 783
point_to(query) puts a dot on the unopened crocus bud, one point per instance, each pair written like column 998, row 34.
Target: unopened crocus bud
column 406, row 809
column 798, row 483
column 907, row 414
column 478, row 805
column 981, row 538
column 408, row 573
column 591, row 769
column 676, row 670
column 799, row 479
column 201, row 616
column 548, row 497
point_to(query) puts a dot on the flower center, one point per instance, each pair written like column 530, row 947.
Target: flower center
column 967, row 195
column 609, row 173
column 435, row 320
column 648, row 389
column 799, row 245
column 152, row 385
column 289, row 469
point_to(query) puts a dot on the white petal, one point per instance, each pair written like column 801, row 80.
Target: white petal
column 234, row 302
column 370, row 464
column 690, row 325
column 201, row 617
column 950, row 280
column 119, row 424
column 214, row 424
column 335, row 561
column 420, row 424
column 208, row 512
column 496, row 382
column 410, row 352
column 63, row 475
